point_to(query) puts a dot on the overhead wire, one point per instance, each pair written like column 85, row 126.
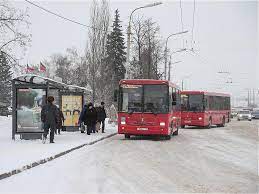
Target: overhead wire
column 62, row 17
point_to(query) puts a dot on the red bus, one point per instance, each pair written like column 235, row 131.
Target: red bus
column 148, row 107
column 204, row 109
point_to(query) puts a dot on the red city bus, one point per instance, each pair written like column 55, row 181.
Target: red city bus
column 204, row 109
column 148, row 107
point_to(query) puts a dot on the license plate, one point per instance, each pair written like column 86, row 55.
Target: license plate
column 142, row 129
column 187, row 121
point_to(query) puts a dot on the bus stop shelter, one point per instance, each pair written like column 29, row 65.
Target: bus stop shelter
column 29, row 94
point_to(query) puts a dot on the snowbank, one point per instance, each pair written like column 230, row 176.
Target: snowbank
column 18, row 153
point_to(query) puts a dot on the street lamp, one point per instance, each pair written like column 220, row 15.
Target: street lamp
column 166, row 46
column 129, row 31
column 169, row 71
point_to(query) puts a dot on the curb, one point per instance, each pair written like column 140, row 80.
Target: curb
column 48, row 159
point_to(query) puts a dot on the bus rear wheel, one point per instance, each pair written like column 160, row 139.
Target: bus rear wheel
column 127, row 136
column 223, row 122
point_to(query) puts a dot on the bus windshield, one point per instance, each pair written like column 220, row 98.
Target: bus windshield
column 192, row 102
column 144, row 98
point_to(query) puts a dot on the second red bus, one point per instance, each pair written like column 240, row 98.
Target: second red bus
column 204, row 109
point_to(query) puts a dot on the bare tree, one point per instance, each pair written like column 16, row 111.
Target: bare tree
column 13, row 26
column 147, row 50
column 96, row 46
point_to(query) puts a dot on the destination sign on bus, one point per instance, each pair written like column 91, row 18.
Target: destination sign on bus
column 131, row 86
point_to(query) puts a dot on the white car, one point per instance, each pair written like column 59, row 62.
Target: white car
column 244, row 115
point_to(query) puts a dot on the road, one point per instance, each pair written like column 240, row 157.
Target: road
column 197, row 160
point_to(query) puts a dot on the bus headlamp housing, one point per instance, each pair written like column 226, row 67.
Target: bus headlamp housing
column 162, row 123
column 123, row 120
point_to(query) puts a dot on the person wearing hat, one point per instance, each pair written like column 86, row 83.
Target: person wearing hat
column 49, row 118
column 102, row 116
column 90, row 118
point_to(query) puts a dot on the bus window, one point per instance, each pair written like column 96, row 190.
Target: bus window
column 156, row 98
column 184, row 102
column 131, row 98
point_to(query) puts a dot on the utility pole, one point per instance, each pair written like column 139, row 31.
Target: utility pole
column 253, row 96
column 165, row 52
column 248, row 98
column 169, row 69
column 170, row 65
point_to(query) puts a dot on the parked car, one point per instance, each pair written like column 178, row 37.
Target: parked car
column 244, row 115
column 233, row 113
column 255, row 114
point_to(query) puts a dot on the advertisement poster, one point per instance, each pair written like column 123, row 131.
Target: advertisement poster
column 71, row 108
column 29, row 105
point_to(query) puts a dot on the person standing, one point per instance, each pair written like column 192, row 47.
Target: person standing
column 61, row 120
column 81, row 119
column 49, row 118
column 90, row 118
column 98, row 123
column 102, row 116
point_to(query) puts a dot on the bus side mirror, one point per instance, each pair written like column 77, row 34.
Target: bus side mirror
column 174, row 103
column 115, row 96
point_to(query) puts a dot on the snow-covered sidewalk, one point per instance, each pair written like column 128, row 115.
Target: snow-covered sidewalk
column 18, row 153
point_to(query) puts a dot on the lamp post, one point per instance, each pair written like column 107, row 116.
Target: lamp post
column 166, row 47
column 129, row 32
column 170, row 64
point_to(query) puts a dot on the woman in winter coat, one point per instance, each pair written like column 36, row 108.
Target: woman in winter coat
column 90, row 118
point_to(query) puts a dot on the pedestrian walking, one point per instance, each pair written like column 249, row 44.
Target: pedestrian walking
column 61, row 120
column 102, row 116
column 49, row 117
column 90, row 118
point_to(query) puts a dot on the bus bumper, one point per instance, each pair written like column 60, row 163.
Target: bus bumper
column 143, row 130
column 193, row 123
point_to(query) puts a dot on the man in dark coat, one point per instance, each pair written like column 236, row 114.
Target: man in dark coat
column 49, row 117
column 102, row 116
column 81, row 117
column 61, row 120
column 90, row 118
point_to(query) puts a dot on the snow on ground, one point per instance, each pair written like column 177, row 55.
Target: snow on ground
column 15, row 154
column 216, row 160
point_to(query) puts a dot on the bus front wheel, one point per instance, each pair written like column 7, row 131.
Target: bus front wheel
column 127, row 136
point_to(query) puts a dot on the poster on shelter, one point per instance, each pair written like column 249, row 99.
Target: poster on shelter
column 29, row 105
column 71, row 108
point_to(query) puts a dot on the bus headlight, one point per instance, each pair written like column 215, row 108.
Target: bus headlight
column 200, row 118
column 123, row 120
column 162, row 123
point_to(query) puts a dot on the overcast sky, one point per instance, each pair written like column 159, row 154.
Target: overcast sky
column 225, row 35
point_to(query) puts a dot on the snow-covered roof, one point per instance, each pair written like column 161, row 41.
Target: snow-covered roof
column 37, row 79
